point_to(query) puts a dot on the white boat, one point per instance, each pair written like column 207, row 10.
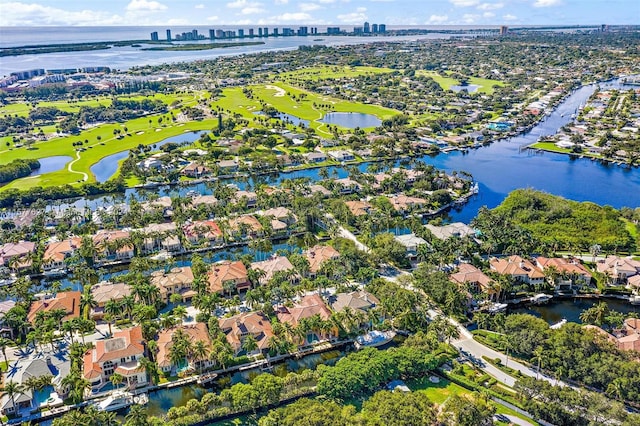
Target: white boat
column 559, row 324
column 494, row 308
column 55, row 273
column 116, row 401
column 374, row 339
column 475, row 188
column 161, row 256
column 635, row 299
column 540, row 299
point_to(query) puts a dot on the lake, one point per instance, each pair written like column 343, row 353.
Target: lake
column 104, row 169
column 471, row 88
column 51, row 164
column 351, row 120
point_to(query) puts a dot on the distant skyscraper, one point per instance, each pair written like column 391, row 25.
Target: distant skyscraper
column 357, row 30
column 265, row 31
column 333, row 30
column 154, row 36
column 382, row 28
column 212, row 34
column 367, row 29
column 219, row 33
column 374, row 28
column 259, row 32
column 195, row 34
column 504, row 30
column 168, row 35
column 275, row 32
column 303, row 31
column 241, row 33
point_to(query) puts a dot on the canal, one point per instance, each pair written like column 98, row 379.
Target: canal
column 570, row 309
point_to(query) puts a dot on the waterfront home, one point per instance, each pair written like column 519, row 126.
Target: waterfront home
column 245, row 227
column 197, row 332
column 356, row 300
column 16, row 255
column 238, row 327
column 340, row 155
column 67, row 301
column 195, row 170
column 319, row 189
column 319, row 254
column 283, row 214
column 411, row 242
column 274, row 265
column 627, row 338
column 227, row 276
column 468, row 276
column 569, row 273
column 161, row 236
column 174, row 281
column 112, row 246
column 57, row 252
column 119, row 354
column 204, row 200
column 203, row 232
column 358, row 208
column 404, row 204
column 309, row 306
column 316, row 157
column 456, row 229
column 618, row 269
column 250, row 198
column 161, row 205
column 6, row 306
column 519, row 269
column 105, row 291
column 21, row 372
column 228, row 166
column 347, row 186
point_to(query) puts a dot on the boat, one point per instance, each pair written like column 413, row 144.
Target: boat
column 161, row 256
column 559, row 324
column 540, row 299
column 55, row 273
column 635, row 299
column 118, row 400
column 192, row 194
column 374, row 339
column 495, row 308
column 475, row 188
column 203, row 379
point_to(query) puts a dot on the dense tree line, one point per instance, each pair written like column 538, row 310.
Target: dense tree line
column 12, row 197
column 17, row 169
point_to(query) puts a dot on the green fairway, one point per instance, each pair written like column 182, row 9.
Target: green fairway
column 486, row 85
column 326, row 72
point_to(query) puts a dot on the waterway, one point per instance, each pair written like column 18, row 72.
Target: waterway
column 570, row 309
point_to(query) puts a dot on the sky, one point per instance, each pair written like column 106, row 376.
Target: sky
column 319, row 12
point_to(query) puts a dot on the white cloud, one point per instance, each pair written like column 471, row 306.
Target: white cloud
column 470, row 18
column 488, row 15
column 295, row 18
column 199, row 6
column 361, row 9
column 145, row 5
column 178, row 21
column 437, row 19
column 490, row 6
column 327, row 1
column 238, row 4
column 547, row 3
column 464, row 3
column 309, row 7
column 214, row 18
column 279, row 2
column 252, row 10
column 33, row 14
column 509, row 17
column 356, row 17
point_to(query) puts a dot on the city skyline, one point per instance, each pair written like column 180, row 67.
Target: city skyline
column 317, row 12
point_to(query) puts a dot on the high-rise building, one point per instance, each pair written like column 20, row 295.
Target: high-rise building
column 265, row 31
column 154, row 36
column 241, row 33
column 194, row 34
column 366, row 28
column 212, row 34
column 219, row 33
column 504, row 30
column 275, row 32
column 374, row 28
column 303, row 31
column 333, row 30
column 382, row 28
column 357, row 30
column 259, row 32
column 250, row 32
column 168, row 35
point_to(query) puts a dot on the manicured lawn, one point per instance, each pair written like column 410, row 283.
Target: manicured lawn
column 550, row 146
column 486, row 85
column 437, row 392
column 325, row 72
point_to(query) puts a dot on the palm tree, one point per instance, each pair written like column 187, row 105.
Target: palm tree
column 482, row 319
column 137, row 416
column 249, row 344
column 13, row 389
column 116, row 379
column 200, row 352
column 4, row 342
column 87, row 302
column 180, row 312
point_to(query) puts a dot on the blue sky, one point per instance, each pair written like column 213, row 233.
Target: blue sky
column 319, row 12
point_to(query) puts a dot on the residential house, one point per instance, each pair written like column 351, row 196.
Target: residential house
column 16, row 255
column 238, row 327
column 119, row 354
column 245, row 226
column 628, row 339
column 313, row 189
column 161, row 205
column 228, row 166
column 519, row 269
column 174, row 281
column 316, row 157
column 309, row 306
column 476, row 280
column 359, row 208
column 319, row 254
column 227, row 275
column 68, row 301
column 105, row 291
column 570, row 272
column 272, row 266
column 283, row 214
column 197, row 332
column 6, row 306
column 203, row 232
column 161, row 236
column 112, row 246
column 411, row 242
column 404, row 203
column 618, row 269
column 347, row 186
column 195, row 170
column 356, row 300
column 340, row 155
column 206, row 200
column 249, row 197
column 57, row 252
column 456, row 229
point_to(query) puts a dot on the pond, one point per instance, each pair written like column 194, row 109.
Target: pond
column 51, row 164
column 288, row 118
column 104, row 169
column 351, row 120
column 470, row 88
column 570, row 309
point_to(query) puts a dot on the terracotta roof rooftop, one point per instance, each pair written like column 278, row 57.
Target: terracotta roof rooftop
column 69, row 301
column 317, row 255
column 308, row 306
column 195, row 332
